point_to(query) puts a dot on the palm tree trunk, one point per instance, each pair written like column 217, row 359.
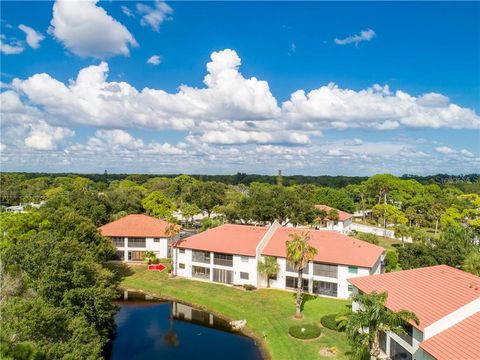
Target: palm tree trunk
column 436, row 226
column 375, row 349
column 268, row 282
column 298, row 302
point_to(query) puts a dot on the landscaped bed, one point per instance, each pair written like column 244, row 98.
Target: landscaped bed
column 305, row 332
column 268, row 312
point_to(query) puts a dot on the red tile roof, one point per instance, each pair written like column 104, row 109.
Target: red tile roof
column 227, row 239
column 136, row 225
column 461, row 341
column 342, row 215
column 431, row 292
column 332, row 247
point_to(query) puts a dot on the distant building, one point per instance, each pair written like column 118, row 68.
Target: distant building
column 229, row 254
column 135, row 234
column 446, row 301
column 22, row 208
column 341, row 225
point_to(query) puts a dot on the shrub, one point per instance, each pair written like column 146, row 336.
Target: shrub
column 371, row 238
column 304, row 332
column 391, row 260
column 249, row 287
column 329, row 321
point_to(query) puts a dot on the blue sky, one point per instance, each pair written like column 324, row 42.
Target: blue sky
column 404, row 93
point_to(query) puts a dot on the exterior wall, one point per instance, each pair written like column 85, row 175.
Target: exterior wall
column 343, row 227
column 160, row 248
column 342, row 275
column 246, row 264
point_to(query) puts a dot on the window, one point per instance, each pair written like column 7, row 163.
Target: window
column 200, row 272
column 223, row 259
column 244, row 259
column 291, row 268
column 120, row 255
column 223, row 276
column 382, row 339
column 335, row 222
column 118, row 241
column 350, row 288
column 324, row 288
column 353, row 270
column 325, row 270
column 182, row 251
column 409, row 333
column 156, row 240
column 201, row 256
column 244, row 275
column 136, row 255
column 291, row 283
column 136, row 242
column 181, row 266
column 397, row 352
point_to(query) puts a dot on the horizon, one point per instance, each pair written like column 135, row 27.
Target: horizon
column 152, row 87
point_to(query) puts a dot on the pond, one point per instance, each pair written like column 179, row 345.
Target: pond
column 157, row 329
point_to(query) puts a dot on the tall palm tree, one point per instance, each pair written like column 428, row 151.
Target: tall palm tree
column 299, row 253
column 364, row 326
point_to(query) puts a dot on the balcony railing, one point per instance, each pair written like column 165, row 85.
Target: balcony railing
column 201, row 257
column 223, row 259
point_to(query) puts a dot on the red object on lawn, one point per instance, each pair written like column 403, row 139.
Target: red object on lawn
column 158, row 267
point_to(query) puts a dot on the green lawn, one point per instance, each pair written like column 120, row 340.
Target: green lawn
column 268, row 312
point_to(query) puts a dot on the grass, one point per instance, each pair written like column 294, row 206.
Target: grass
column 269, row 313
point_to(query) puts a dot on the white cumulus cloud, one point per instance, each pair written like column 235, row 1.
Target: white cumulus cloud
column 87, row 30
column 12, row 47
column 33, row 37
column 154, row 60
column 365, row 35
column 154, row 16
column 445, row 150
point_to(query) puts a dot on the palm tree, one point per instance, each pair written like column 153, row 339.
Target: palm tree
column 365, row 324
column 269, row 267
column 299, row 253
column 149, row 257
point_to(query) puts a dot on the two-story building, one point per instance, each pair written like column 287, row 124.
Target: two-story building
column 230, row 254
column 447, row 303
column 135, row 234
column 341, row 225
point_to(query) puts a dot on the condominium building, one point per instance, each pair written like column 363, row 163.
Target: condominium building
column 135, row 234
column 230, row 254
column 447, row 303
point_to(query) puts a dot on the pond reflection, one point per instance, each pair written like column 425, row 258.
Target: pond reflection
column 149, row 329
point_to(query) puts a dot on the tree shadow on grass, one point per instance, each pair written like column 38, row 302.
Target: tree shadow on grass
column 120, row 270
column 305, row 298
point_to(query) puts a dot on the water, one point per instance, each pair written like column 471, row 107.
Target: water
column 154, row 329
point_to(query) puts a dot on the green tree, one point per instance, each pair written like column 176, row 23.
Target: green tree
column 189, row 211
column 401, row 231
column 206, row 195
column 472, row 263
column 391, row 260
column 387, row 214
column 335, row 198
column 269, row 267
column 159, row 205
column 300, row 253
column 372, row 317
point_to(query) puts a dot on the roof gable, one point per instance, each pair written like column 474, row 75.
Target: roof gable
column 136, row 225
column 431, row 292
column 332, row 247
